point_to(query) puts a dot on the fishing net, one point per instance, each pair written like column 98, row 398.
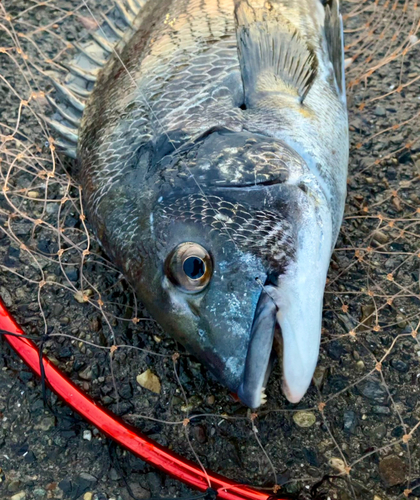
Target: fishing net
column 353, row 436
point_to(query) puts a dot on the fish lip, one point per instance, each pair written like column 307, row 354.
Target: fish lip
column 259, row 350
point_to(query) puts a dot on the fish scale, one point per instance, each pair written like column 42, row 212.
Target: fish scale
column 216, row 134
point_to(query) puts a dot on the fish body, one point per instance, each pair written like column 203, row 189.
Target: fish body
column 213, row 157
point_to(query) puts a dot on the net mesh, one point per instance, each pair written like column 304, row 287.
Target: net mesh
column 354, row 434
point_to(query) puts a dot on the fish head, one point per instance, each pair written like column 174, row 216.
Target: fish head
column 233, row 264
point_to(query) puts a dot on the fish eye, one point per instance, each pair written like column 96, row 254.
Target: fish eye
column 190, row 267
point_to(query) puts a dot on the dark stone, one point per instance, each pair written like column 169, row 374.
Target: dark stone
column 38, row 404
column 397, row 432
column 68, row 434
column 14, row 252
column 350, row 422
column 374, row 390
column 391, row 173
column 392, row 470
column 379, row 111
column 154, row 482
column 78, row 364
column 405, row 157
column 83, row 483
column 65, row 486
column 30, row 457
column 335, row 350
column 378, row 431
column 72, row 274
column 26, row 376
column 381, row 410
column 20, row 448
column 65, row 352
column 100, row 496
column 136, row 464
column 126, row 391
column 44, row 246
column 311, row 457
column 106, row 389
column 123, row 408
column 57, row 309
column 399, row 365
column 71, row 221
column 113, row 474
column 137, row 491
column 199, row 433
column 337, row 383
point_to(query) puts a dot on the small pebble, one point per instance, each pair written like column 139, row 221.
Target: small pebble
column 304, row 418
column 19, row 496
column 413, row 39
column 199, row 432
column 379, row 111
column 337, row 464
column 86, row 374
column 40, row 493
column 82, row 296
column 33, row 194
column 381, row 410
column 320, row 376
column 380, row 237
column 6, row 296
column 113, row 474
column 46, row 424
column 360, row 365
column 87, row 435
column 378, row 431
column 374, row 390
column 350, row 421
column 397, row 204
column 14, row 485
column 149, row 381
column 88, row 495
column 402, row 323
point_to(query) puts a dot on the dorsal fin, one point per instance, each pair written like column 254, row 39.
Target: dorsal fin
column 273, row 56
column 73, row 88
column 335, row 41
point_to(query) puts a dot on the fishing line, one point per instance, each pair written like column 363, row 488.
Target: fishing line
column 42, row 341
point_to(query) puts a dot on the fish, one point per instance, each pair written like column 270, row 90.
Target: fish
column 212, row 146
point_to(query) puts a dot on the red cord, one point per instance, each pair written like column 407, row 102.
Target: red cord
column 125, row 435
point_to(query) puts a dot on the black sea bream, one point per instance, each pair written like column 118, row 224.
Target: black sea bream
column 213, row 156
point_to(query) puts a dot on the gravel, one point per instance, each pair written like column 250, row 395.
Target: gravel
column 356, row 407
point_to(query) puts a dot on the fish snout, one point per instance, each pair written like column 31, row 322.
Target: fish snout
column 293, row 305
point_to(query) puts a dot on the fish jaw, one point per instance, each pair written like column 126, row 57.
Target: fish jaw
column 295, row 304
column 257, row 365
column 300, row 306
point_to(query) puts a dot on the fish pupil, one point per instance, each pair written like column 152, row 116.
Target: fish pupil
column 194, row 268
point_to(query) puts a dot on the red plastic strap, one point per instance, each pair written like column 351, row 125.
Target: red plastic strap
column 125, row 435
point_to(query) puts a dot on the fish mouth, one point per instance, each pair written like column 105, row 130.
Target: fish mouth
column 294, row 303
column 294, row 310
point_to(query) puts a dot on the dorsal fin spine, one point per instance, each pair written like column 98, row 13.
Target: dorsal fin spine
column 77, row 85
